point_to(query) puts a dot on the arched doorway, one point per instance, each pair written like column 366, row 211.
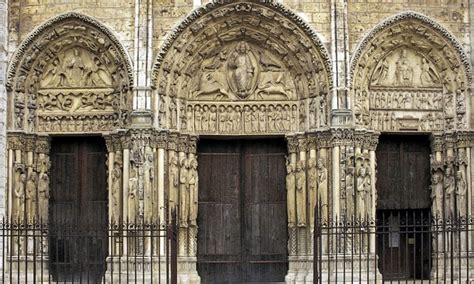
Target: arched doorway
column 68, row 85
column 241, row 70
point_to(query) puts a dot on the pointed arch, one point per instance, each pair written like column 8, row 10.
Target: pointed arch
column 410, row 73
column 71, row 68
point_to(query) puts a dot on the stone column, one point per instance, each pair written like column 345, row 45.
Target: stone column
column 291, row 159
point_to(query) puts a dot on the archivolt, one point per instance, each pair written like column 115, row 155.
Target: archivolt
column 433, row 29
column 286, row 34
column 39, row 38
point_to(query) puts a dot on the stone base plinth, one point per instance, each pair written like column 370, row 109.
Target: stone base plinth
column 137, row 269
column 26, row 270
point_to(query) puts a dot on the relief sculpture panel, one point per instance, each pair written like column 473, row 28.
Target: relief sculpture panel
column 409, row 76
column 72, row 75
column 233, row 72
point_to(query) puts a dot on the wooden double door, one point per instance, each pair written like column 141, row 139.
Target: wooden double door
column 242, row 217
column 78, row 209
column 403, row 207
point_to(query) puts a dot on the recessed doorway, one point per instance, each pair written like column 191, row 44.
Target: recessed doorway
column 78, row 242
column 242, row 218
column 403, row 207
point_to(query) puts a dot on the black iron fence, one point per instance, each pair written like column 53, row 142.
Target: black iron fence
column 407, row 246
column 88, row 253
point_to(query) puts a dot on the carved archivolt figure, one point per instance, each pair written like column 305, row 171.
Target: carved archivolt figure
column 132, row 195
column 291, row 193
column 19, row 194
column 184, row 192
column 193, row 191
column 461, row 193
column 437, row 195
column 322, row 187
column 43, row 196
column 449, row 191
column 30, row 197
column 301, row 194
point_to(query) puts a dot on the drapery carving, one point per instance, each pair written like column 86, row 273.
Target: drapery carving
column 70, row 75
column 257, row 74
column 410, row 74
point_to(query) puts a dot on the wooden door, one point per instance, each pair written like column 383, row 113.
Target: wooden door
column 242, row 211
column 403, row 207
column 78, row 209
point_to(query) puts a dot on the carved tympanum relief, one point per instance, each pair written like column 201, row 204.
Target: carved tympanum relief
column 242, row 67
column 409, row 76
column 71, row 75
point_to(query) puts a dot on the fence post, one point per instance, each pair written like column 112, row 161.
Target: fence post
column 173, row 236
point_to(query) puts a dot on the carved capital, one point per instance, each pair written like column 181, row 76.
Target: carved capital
column 302, row 143
column 15, row 141
column 173, row 141
column 162, row 140
column 437, row 142
column 312, row 141
column 341, row 136
column 30, row 143
column 182, row 143
column 374, row 141
column 464, row 139
column 292, row 144
column 192, row 144
column 43, row 145
column 324, row 139
column 109, row 144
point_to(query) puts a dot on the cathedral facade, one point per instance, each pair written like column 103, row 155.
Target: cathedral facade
column 248, row 119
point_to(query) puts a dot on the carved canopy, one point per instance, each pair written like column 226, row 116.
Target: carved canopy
column 238, row 57
column 409, row 73
column 70, row 75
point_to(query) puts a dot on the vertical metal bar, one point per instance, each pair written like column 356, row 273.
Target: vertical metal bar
column 316, row 244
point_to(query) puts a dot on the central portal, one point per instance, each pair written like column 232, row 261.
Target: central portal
column 242, row 211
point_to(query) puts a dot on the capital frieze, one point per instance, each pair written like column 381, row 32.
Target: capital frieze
column 173, row 140
column 30, row 143
column 292, row 144
column 43, row 144
column 182, row 143
column 15, row 141
column 437, row 142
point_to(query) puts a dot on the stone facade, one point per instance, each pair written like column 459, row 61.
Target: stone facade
column 153, row 76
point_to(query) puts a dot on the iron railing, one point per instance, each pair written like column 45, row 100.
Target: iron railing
column 88, row 253
column 397, row 246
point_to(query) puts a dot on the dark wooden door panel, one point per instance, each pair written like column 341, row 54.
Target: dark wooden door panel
column 403, row 175
column 403, row 191
column 242, row 211
column 78, row 209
